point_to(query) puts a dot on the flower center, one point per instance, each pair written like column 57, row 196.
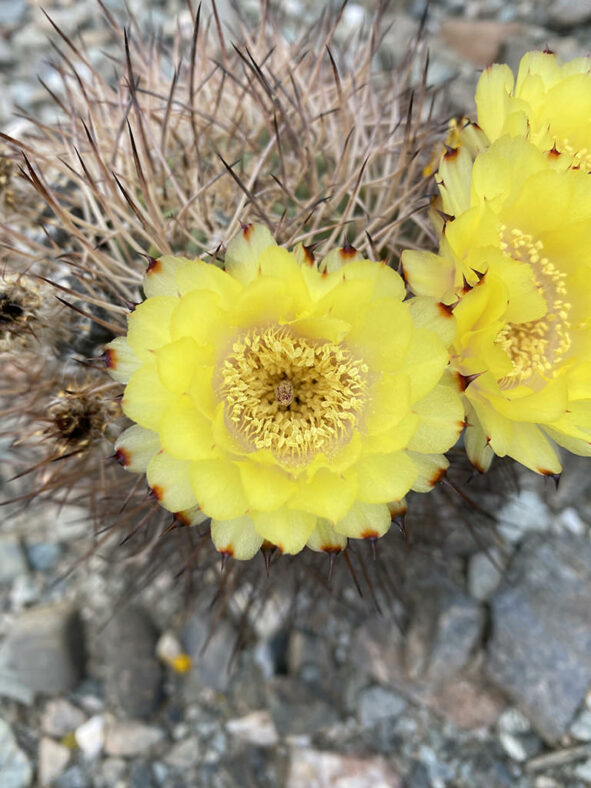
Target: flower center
column 294, row 396
column 536, row 347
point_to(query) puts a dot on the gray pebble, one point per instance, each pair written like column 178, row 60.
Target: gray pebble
column 569, row 13
column 60, row 717
column 43, row 555
column 133, row 674
column 483, row 574
column 539, row 653
column 12, row 12
column 379, row 703
column 46, row 648
column 15, row 769
column 12, row 559
column 128, row 738
column 583, row 771
column 581, row 727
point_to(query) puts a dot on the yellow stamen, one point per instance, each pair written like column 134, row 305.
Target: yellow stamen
column 291, row 395
column 536, row 347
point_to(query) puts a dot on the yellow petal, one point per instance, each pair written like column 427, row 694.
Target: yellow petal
column 428, row 274
column 396, row 438
column 492, row 98
column 145, row 398
column 149, row 325
column 543, row 406
column 244, row 250
column 120, row 360
column 431, row 468
column 170, row 482
column 435, row 316
column 267, row 487
column 266, row 300
column 277, row 263
column 324, row 539
column 337, row 258
column 441, row 421
column 389, row 403
column 159, row 279
column 326, row 494
column 385, row 477
column 287, row 528
column 135, row 447
column 176, row 363
column 197, row 275
column 191, row 517
column 201, row 390
column 321, row 328
column 454, row 177
column 185, row 433
column 199, row 315
column 386, row 282
column 346, row 300
column 236, row 537
column 383, row 333
column 425, row 362
column 479, row 452
column 365, row 521
column 218, row 488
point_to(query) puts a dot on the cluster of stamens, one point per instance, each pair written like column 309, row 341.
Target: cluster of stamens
column 294, row 396
column 536, row 347
column 581, row 156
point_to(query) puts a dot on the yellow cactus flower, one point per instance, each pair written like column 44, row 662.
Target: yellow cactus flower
column 289, row 401
column 515, row 264
column 549, row 103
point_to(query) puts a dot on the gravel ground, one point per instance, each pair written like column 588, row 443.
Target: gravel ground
column 465, row 664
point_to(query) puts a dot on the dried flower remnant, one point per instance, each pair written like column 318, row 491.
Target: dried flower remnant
column 515, row 265
column 291, row 401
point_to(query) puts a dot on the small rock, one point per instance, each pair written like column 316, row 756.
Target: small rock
column 133, row 673
column 128, row 738
column 12, row 12
column 112, row 771
column 583, row 771
column 581, row 727
column 15, row 769
column 484, row 574
column 308, row 656
column 43, row 555
column 210, row 666
column 184, row 754
column 320, row 769
column 61, row 717
column 53, row 759
column 46, row 648
column 256, row 728
column 520, row 748
column 377, row 704
column 523, row 512
column 478, row 41
column 74, row 777
column 513, row 721
column 569, row 13
column 539, row 653
column 90, row 736
column 571, row 521
column 297, row 709
column 140, row 775
column 444, row 631
column 12, row 559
